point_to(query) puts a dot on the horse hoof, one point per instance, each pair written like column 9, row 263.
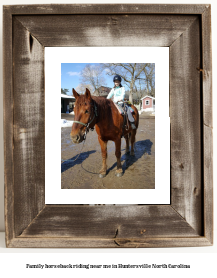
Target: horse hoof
column 128, row 152
column 132, row 153
column 119, row 174
column 102, row 175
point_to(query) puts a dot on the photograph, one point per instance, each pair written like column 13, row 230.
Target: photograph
column 156, row 162
column 107, row 125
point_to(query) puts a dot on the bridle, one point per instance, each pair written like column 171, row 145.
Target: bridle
column 86, row 131
column 91, row 120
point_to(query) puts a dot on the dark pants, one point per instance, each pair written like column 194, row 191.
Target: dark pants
column 129, row 114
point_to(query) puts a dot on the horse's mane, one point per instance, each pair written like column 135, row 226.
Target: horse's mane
column 102, row 102
column 104, row 106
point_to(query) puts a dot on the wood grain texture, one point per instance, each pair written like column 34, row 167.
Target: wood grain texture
column 107, row 30
column 29, row 223
column 108, row 222
column 207, row 67
column 208, row 183
column 207, row 122
column 106, row 9
column 29, row 130
column 8, row 125
column 185, row 113
column 150, row 242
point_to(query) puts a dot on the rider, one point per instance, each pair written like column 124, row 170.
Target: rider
column 119, row 92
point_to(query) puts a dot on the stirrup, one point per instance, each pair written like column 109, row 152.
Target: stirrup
column 132, row 125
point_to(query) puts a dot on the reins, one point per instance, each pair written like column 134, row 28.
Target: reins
column 78, row 154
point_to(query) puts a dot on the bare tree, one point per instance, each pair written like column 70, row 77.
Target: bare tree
column 81, row 88
column 64, row 91
column 92, row 75
column 150, row 79
column 132, row 74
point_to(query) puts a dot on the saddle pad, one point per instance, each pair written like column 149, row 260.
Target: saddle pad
column 131, row 109
column 120, row 109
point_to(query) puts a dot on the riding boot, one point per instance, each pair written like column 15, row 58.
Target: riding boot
column 133, row 125
column 131, row 119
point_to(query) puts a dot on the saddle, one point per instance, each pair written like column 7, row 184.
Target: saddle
column 121, row 110
column 124, row 113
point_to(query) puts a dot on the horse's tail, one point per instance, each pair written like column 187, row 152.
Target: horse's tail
column 137, row 117
column 136, row 112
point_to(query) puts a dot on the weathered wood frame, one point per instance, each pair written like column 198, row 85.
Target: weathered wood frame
column 188, row 220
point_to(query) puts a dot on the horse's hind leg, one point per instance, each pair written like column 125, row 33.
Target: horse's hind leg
column 119, row 171
column 127, row 150
column 133, row 138
column 103, row 144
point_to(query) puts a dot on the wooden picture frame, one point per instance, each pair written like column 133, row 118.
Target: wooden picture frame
column 186, row 30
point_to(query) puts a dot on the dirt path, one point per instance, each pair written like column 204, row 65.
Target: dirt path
column 139, row 170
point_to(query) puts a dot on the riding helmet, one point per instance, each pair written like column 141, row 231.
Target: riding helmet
column 117, row 77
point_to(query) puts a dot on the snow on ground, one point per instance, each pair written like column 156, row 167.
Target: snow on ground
column 65, row 123
column 147, row 113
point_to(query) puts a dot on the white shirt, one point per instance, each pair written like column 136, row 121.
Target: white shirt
column 118, row 93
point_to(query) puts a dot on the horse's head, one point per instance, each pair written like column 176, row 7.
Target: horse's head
column 84, row 113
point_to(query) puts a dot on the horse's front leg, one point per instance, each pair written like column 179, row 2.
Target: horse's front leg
column 119, row 171
column 103, row 144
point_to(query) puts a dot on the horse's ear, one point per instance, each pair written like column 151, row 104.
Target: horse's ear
column 75, row 94
column 87, row 94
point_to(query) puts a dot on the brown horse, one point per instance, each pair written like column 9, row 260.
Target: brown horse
column 93, row 111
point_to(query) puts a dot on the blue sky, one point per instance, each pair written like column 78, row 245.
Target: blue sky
column 70, row 76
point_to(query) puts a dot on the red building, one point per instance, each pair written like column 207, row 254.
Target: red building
column 148, row 103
